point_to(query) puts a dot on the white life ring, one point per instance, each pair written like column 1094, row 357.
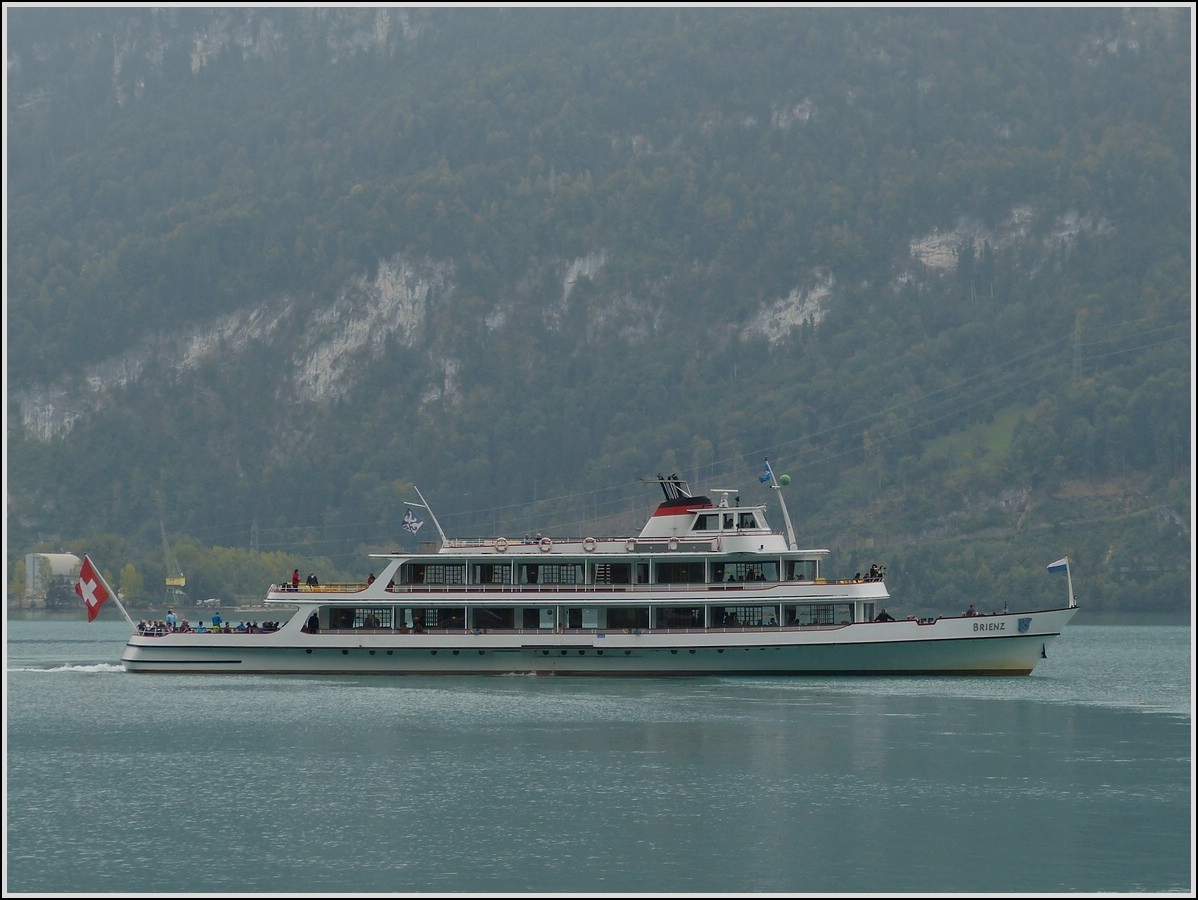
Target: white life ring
column 588, row 544
column 500, row 544
column 672, row 544
column 546, row 545
column 630, row 545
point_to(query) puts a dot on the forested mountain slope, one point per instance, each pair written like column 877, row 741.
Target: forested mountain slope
column 269, row 268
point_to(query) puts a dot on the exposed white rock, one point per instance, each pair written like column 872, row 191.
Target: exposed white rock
column 358, row 325
column 583, row 267
column 802, row 306
column 51, row 412
column 339, row 339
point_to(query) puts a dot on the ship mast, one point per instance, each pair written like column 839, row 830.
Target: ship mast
column 423, row 504
column 791, row 542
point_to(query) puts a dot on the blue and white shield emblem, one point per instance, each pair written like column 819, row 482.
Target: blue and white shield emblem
column 1025, row 624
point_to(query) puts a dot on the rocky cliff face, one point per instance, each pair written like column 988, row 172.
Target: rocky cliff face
column 125, row 49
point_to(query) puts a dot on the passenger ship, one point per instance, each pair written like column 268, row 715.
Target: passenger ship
column 705, row 588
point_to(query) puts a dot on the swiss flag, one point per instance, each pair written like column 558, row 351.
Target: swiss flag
column 91, row 589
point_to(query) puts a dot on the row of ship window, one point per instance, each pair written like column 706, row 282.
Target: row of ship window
column 540, row 618
column 692, row 572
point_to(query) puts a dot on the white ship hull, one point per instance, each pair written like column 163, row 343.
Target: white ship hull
column 986, row 645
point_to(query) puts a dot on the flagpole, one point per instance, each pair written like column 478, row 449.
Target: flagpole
column 1062, row 564
column 424, row 504
column 791, row 542
column 114, row 595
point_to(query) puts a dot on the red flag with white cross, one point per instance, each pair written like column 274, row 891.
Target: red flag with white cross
column 91, row 589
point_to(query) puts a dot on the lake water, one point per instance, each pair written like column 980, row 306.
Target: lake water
column 1076, row 779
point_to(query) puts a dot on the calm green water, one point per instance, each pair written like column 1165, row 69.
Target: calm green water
column 1076, row 779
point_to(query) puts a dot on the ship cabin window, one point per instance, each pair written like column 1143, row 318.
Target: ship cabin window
column 744, row 616
column 746, row 520
column 419, row 619
column 729, row 522
column 374, row 617
column 585, row 617
column 535, row 618
column 824, row 614
column 672, row 617
column 759, row 571
column 555, row 573
column 707, row 522
column 627, row 617
column 680, row 573
column 613, row 573
column 495, row 618
column 551, row 573
column 801, row 570
column 435, row 573
column 492, row 573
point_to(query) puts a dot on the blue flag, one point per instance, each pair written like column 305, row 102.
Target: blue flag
column 411, row 523
column 767, row 475
column 1060, row 565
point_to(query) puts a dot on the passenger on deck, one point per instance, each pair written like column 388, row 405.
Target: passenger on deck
column 884, row 616
column 370, row 579
column 312, row 582
column 295, row 580
column 971, row 611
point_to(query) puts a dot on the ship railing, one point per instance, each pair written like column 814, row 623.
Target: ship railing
column 350, row 587
column 566, row 587
column 714, row 629
column 342, row 587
